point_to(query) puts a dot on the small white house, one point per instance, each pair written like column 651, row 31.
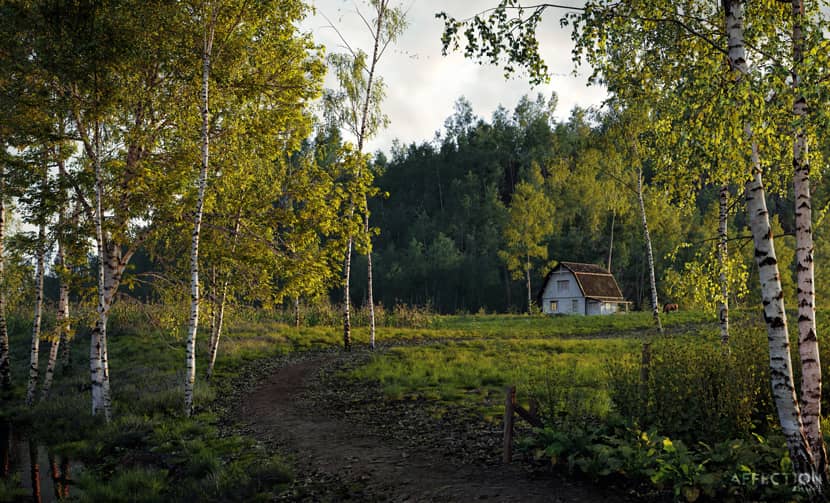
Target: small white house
column 573, row 288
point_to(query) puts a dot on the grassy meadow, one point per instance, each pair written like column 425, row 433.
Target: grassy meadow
column 702, row 416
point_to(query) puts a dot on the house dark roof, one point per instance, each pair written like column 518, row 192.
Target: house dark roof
column 594, row 281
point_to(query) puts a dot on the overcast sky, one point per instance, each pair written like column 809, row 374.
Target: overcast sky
column 422, row 85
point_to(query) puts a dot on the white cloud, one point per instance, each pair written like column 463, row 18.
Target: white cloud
column 422, row 85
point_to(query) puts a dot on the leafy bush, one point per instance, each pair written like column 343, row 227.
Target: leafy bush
column 732, row 470
column 695, row 388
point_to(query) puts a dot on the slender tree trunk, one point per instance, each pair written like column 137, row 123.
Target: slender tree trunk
column 781, row 372
column 5, row 364
column 807, row 332
column 370, row 293
column 98, row 366
column 347, row 318
column 723, row 303
column 62, row 314
column 64, row 321
column 655, row 304
column 63, row 328
column 529, row 294
column 212, row 304
column 54, row 474
column 611, row 246
column 34, row 472
column 783, row 388
column 217, row 330
column 296, row 311
column 53, row 360
column 361, row 137
column 193, row 325
column 216, row 334
column 35, row 351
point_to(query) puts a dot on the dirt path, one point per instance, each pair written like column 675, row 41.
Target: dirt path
column 356, row 446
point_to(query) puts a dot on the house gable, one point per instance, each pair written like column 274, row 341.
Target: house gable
column 577, row 288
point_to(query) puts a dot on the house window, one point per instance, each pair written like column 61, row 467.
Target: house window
column 574, row 305
column 554, row 306
column 562, row 286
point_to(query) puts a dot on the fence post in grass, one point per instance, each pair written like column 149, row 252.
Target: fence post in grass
column 509, row 402
column 645, row 364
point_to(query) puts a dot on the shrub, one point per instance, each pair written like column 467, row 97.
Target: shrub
column 695, row 389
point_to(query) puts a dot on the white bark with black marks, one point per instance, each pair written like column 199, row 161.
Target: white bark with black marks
column 527, row 278
column 655, row 304
column 193, row 324
column 382, row 7
column 5, row 360
column 723, row 257
column 775, row 317
column 34, row 353
column 98, row 365
column 347, row 315
column 611, row 244
column 62, row 321
column 807, row 332
column 216, row 332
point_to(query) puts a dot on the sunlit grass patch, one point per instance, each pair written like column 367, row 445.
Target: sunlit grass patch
column 474, row 371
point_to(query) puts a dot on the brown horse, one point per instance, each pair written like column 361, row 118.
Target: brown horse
column 670, row 307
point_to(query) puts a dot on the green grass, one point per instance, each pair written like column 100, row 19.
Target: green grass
column 465, row 360
column 497, row 325
column 475, row 372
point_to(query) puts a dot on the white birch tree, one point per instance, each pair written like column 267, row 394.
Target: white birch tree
column 34, row 353
column 5, row 359
column 807, row 330
column 208, row 15
column 358, row 106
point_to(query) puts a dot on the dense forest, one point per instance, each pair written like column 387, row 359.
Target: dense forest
column 445, row 206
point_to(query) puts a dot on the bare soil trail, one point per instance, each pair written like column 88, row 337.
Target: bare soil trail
column 349, row 444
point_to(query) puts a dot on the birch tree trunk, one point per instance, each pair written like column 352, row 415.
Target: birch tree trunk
column 781, row 373
column 723, row 304
column 34, row 354
column 190, row 376
column 527, row 278
column 611, row 246
column 63, row 297
column 216, row 333
column 655, row 304
column 5, row 363
column 212, row 314
column 62, row 320
column 98, row 366
column 807, row 333
column 347, row 317
column 370, row 294
column 382, row 7
column 63, row 291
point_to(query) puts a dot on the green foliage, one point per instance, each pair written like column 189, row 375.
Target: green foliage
column 697, row 283
column 530, row 221
column 695, row 389
column 499, row 37
column 128, row 485
column 731, row 470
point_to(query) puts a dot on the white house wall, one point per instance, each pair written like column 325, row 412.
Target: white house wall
column 565, row 299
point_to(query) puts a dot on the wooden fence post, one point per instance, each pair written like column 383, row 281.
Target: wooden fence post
column 645, row 367
column 509, row 401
